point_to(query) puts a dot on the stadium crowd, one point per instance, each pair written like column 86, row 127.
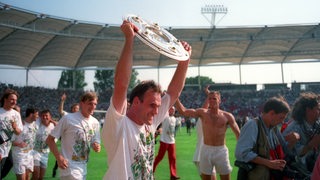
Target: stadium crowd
column 244, row 104
column 241, row 103
column 46, row 98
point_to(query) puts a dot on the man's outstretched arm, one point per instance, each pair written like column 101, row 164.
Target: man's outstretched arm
column 183, row 111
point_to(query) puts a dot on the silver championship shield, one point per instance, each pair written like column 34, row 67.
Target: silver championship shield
column 158, row 38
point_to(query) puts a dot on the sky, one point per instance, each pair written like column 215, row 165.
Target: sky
column 181, row 14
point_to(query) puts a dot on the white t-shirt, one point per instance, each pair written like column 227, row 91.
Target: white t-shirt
column 27, row 135
column 130, row 147
column 77, row 135
column 64, row 113
column 41, row 137
column 168, row 128
column 23, row 156
column 6, row 117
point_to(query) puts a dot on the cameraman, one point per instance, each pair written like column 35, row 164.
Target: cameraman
column 10, row 123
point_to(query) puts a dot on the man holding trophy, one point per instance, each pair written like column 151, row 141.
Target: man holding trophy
column 128, row 133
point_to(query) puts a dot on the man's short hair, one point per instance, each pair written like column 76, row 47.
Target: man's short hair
column 74, row 105
column 277, row 104
column 31, row 111
column 142, row 88
column 89, row 96
column 45, row 111
column 215, row 92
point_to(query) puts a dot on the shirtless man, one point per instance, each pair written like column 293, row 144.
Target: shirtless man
column 214, row 153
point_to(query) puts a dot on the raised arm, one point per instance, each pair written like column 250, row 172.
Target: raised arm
column 61, row 105
column 206, row 90
column 185, row 112
column 205, row 105
column 124, row 67
column 177, row 82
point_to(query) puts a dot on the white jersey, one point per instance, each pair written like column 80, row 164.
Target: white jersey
column 130, row 147
column 27, row 135
column 41, row 137
column 23, row 156
column 77, row 134
column 6, row 117
column 64, row 113
column 168, row 129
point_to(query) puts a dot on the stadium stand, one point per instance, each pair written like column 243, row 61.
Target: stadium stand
column 241, row 100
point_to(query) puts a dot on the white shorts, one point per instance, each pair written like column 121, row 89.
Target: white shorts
column 75, row 171
column 197, row 164
column 215, row 157
column 22, row 162
column 40, row 159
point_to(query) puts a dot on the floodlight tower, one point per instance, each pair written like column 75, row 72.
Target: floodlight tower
column 213, row 10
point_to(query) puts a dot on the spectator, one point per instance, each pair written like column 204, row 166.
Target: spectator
column 193, row 122
column 178, row 125
column 188, row 125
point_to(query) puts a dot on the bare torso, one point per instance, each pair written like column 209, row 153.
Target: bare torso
column 214, row 126
column 214, row 121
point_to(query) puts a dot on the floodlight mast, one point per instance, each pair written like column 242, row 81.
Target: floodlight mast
column 213, row 10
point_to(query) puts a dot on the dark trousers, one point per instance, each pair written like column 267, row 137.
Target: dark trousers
column 6, row 165
column 242, row 174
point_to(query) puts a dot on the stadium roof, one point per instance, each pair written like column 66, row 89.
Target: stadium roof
column 34, row 41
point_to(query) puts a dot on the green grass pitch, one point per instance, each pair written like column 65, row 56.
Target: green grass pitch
column 185, row 147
